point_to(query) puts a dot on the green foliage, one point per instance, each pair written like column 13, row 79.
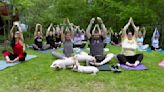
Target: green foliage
column 115, row 13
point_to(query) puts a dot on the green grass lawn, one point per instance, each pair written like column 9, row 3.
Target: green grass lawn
column 36, row 76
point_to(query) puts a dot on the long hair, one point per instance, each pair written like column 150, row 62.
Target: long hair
column 12, row 43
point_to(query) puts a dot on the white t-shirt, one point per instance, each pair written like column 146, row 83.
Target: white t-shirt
column 155, row 43
column 77, row 40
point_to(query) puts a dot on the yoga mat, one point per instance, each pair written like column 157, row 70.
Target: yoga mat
column 161, row 64
column 4, row 65
column 152, row 50
column 61, row 48
column 148, row 50
column 104, row 67
column 139, row 67
column 160, row 50
column 45, row 51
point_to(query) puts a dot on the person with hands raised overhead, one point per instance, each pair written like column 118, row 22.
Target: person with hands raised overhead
column 50, row 37
column 17, row 44
column 128, row 55
column 140, row 40
column 155, row 40
column 96, row 40
column 78, row 38
column 38, row 38
column 67, row 39
column 58, row 36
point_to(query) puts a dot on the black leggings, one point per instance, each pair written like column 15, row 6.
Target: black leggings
column 131, row 59
column 152, row 48
column 13, row 56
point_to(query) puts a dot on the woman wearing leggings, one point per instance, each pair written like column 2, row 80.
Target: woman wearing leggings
column 38, row 38
column 129, row 45
column 50, row 37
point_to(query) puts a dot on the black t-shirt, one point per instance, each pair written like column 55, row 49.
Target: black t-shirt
column 38, row 41
column 116, row 39
column 58, row 38
column 50, row 40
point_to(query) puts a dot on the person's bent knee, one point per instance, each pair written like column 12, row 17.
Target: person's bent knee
column 110, row 55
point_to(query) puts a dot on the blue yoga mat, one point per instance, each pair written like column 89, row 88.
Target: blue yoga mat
column 4, row 65
column 160, row 50
column 152, row 50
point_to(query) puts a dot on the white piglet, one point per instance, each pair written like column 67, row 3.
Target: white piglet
column 85, row 57
column 85, row 69
column 63, row 63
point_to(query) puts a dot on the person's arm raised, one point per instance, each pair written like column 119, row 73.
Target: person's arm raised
column 124, row 34
column 36, row 30
column 88, row 30
column 71, row 29
column 21, row 32
column 11, row 31
column 103, row 28
column 111, row 31
column 62, row 34
column 49, row 28
column 135, row 29
column 144, row 32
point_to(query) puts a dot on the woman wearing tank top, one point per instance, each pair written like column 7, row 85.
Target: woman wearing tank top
column 128, row 55
column 38, row 38
column 50, row 42
column 17, row 44
column 66, row 37
column 140, row 40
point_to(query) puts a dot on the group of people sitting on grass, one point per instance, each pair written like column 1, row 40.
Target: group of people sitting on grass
column 96, row 35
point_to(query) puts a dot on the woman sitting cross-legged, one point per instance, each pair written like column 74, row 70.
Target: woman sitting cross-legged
column 155, row 40
column 107, row 39
column 66, row 37
column 129, row 46
column 116, row 39
column 38, row 38
column 17, row 44
column 140, row 40
column 96, row 40
column 58, row 40
column 50, row 37
column 78, row 38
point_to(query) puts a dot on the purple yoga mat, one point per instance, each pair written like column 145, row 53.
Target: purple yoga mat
column 139, row 67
